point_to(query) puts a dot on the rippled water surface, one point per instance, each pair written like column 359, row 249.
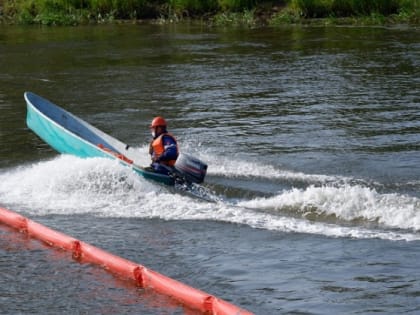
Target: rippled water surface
column 312, row 137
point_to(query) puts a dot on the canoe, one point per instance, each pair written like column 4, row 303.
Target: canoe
column 69, row 134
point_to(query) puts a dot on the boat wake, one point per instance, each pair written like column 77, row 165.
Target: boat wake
column 329, row 206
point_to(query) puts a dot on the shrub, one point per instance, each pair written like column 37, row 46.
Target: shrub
column 236, row 5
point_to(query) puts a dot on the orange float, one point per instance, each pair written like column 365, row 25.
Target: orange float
column 144, row 277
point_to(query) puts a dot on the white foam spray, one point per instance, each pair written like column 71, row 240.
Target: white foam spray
column 72, row 186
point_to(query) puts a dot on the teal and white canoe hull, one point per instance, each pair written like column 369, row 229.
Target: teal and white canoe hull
column 69, row 134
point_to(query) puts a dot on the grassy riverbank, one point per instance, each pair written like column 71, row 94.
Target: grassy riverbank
column 215, row 12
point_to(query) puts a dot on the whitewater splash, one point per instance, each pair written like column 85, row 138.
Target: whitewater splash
column 68, row 185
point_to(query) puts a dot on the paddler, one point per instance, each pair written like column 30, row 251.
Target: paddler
column 163, row 147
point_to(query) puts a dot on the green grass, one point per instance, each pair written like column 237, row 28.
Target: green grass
column 360, row 12
column 218, row 12
column 245, row 18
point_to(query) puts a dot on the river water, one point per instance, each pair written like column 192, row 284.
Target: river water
column 312, row 137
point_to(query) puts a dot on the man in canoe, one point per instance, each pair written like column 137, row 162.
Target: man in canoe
column 163, row 147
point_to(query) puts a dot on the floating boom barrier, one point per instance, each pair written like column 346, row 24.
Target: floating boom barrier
column 142, row 276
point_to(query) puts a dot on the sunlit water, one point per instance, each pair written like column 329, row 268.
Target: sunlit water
column 312, row 140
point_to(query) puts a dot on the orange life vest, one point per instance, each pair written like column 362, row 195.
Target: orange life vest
column 157, row 148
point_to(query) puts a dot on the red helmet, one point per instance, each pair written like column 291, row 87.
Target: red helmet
column 158, row 122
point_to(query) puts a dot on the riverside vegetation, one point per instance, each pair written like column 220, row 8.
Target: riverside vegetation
column 250, row 13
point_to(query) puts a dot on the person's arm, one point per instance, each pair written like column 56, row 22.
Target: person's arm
column 171, row 152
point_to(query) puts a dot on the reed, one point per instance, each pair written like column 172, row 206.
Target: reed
column 245, row 18
column 361, row 12
column 68, row 12
column 192, row 7
column 208, row 6
column 41, row 11
column 346, row 8
column 237, row 5
column 120, row 9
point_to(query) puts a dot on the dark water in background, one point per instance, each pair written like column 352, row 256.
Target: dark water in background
column 312, row 136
